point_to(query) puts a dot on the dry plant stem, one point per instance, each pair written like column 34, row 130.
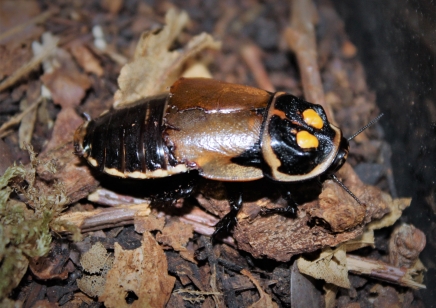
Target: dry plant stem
column 109, row 198
column 121, row 215
column 300, row 36
column 382, row 271
column 203, row 222
column 28, row 67
column 35, row 20
column 103, row 218
column 111, row 53
column 17, row 118
column 252, row 56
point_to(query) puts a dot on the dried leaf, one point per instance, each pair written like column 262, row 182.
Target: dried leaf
column 42, row 52
column 27, row 124
column 86, row 59
column 17, row 21
column 364, row 240
column 66, row 84
column 197, row 69
column 265, row 300
column 396, row 206
column 177, row 234
column 19, row 117
column 113, row 6
column 12, row 58
column 66, row 123
column 331, row 266
column 330, row 295
column 154, row 67
column 417, row 271
column 61, row 74
column 143, row 271
column 150, row 223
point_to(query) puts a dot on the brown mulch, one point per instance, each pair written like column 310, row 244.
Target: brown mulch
column 136, row 252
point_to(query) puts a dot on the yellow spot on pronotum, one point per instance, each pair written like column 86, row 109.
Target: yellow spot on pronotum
column 306, row 140
column 312, row 118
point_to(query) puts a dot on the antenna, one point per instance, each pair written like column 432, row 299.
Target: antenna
column 365, row 127
column 350, row 138
column 346, row 189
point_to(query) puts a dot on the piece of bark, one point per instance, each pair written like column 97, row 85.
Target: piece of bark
column 62, row 165
column 382, row 271
column 338, row 209
column 405, row 245
column 280, row 237
column 51, row 266
column 103, row 218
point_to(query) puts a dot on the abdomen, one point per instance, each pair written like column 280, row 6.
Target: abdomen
column 128, row 142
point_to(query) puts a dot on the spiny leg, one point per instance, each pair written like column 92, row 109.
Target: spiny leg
column 176, row 190
column 226, row 224
column 290, row 209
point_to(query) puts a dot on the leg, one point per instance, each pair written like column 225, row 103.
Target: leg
column 291, row 207
column 174, row 190
column 229, row 221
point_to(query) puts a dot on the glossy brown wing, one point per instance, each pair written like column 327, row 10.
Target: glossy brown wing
column 209, row 141
column 216, row 96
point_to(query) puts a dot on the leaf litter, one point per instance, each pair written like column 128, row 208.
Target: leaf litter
column 163, row 66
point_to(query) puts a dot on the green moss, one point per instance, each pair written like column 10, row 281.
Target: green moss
column 26, row 227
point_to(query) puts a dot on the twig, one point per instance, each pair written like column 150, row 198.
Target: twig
column 35, row 20
column 120, row 214
column 29, row 66
column 216, row 275
column 202, row 222
column 252, row 56
column 17, row 118
column 109, row 198
column 300, row 36
column 103, row 218
column 382, row 271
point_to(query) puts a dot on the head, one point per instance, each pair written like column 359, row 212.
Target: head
column 298, row 142
column 341, row 157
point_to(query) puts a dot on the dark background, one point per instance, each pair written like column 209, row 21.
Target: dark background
column 396, row 40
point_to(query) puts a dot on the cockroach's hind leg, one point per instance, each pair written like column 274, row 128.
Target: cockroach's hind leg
column 176, row 192
column 227, row 223
column 290, row 209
